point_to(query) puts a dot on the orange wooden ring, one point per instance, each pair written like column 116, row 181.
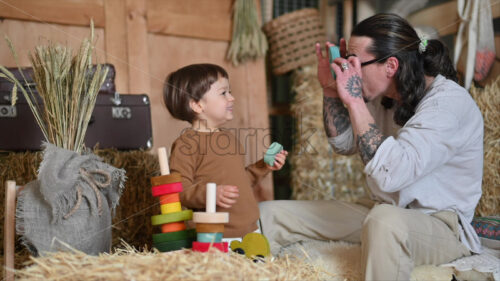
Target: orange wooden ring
column 166, row 179
column 209, row 227
column 170, row 198
column 204, row 247
column 160, row 190
column 172, row 227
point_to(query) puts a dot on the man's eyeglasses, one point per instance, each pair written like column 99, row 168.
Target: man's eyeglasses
column 366, row 62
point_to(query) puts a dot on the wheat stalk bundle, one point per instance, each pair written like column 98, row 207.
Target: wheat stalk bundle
column 248, row 41
column 67, row 84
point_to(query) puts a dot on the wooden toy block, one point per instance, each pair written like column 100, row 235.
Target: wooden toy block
column 209, row 227
column 170, row 198
column 171, row 208
column 201, row 217
column 209, row 237
column 173, row 227
column 334, row 53
column 204, row 247
column 252, row 245
column 173, row 245
column 166, row 179
column 271, row 152
column 189, row 234
column 160, row 190
column 172, row 217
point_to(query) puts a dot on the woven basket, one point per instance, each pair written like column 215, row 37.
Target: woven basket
column 291, row 39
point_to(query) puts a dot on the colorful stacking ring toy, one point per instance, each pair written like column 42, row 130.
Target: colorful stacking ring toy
column 167, row 187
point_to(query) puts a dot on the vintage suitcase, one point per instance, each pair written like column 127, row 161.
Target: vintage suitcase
column 121, row 121
column 108, row 87
column 118, row 121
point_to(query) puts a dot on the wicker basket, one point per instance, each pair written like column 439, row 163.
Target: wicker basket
column 291, row 39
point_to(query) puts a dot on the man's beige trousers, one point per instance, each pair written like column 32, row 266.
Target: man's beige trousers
column 393, row 240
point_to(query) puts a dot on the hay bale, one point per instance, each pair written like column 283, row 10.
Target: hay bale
column 317, row 172
column 129, row 264
column 488, row 100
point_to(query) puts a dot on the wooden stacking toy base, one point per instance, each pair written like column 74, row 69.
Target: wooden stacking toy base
column 204, row 247
column 173, row 236
column 173, row 245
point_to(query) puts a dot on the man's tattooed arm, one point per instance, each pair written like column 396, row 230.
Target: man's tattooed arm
column 335, row 116
column 369, row 141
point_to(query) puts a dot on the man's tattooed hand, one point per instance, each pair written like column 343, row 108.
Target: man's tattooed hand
column 355, row 86
column 369, row 142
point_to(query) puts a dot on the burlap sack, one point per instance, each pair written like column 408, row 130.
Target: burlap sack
column 71, row 202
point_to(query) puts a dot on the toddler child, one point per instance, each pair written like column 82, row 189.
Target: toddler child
column 200, row 94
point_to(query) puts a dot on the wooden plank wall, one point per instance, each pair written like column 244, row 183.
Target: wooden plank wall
column 146, row 40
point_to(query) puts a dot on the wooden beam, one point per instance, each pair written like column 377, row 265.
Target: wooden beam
column 495, row 9
column 115, row 33
column 75, row 12
column 137, row 46
column 205, row 19
column 443, row 17
column 9, row 229
column 258, row 116
column 348, row 15
column 328, row 14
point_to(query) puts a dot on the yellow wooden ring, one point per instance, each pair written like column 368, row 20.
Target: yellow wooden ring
column 171, row 208
column 172, row 217
column 166, row 179
column 203, row 217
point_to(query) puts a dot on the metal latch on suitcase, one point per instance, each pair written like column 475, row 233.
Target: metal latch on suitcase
column 7, row 111
column 117, row 111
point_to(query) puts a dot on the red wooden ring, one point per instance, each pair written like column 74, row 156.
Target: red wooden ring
column 160, row 190
column 204, row 247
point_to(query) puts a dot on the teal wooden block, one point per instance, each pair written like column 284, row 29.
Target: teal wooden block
column 214, row 237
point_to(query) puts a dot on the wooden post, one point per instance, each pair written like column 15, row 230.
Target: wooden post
column 9, row 229
column 115, row 33
column 348, row 14
column 210, row 197
column 163, row 159
column 137, row 45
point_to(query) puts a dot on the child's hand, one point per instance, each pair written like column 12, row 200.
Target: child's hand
column 226, row 195
column 279, row 161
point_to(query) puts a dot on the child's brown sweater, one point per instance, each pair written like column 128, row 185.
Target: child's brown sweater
column 217, row 157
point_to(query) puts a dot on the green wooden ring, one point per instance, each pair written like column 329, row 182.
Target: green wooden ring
column 174, row 245
column 172, row 217
column 189, row 234
column 209, row 237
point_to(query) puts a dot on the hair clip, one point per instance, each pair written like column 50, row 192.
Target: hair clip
column 422, row 46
